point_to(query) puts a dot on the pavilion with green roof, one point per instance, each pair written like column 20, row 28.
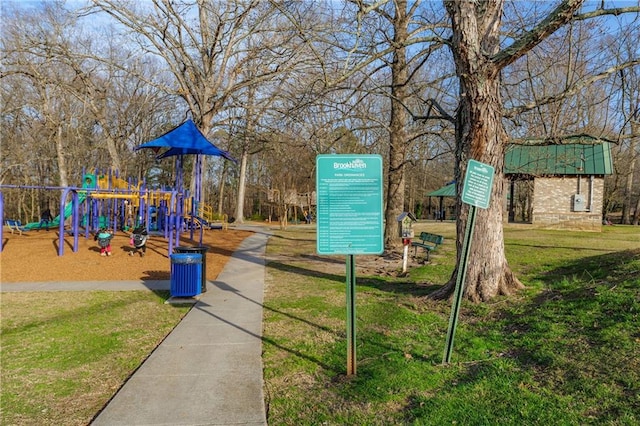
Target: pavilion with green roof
column 554, row 185
column 448, row 191
column 558, row 185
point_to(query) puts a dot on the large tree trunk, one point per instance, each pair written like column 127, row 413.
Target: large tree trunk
column 480, row 135
column 62, row 162
column 398, row 133
column 636, row 213
column 627, row 204
column 248, row 133
column 204, row 125
column 242, row 181
column 221, row 187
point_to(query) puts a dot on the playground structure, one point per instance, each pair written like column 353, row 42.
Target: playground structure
column 106, row 200
column 306, row 202
column 99, row 187
column 290, row 204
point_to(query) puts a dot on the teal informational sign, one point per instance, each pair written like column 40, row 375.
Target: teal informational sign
column 477, row 192
column 349, row 197
column 478, row 182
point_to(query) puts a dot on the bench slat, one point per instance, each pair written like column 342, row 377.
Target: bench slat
column 428, row 242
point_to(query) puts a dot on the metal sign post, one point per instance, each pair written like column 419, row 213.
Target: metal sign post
column 476, row 191
column 351, row 315
column 460, row 279
column 350, row 220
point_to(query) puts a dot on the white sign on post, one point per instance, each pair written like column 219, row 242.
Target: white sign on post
column 478, row 182
column 476, row 191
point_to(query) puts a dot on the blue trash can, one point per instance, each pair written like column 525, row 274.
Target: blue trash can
column 186, row 274
column 200, row 250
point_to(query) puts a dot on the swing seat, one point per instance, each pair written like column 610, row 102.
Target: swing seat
column 15, row 225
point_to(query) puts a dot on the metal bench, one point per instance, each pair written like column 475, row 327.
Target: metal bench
column 428, row 242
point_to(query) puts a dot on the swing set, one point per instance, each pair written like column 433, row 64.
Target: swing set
column 107, row 201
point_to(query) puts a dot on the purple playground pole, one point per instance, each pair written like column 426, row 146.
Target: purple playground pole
column 85, row 213
column 179, row 199
column 171, row 221
column 193, row 216
column 198, row 182
column 74, row 207
column 1, row 220
column 75, row 220
column 166, row 215
column 114, row 214
column 61, row 224
column 197, row 199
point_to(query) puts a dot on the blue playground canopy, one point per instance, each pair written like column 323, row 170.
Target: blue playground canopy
column 185, row 139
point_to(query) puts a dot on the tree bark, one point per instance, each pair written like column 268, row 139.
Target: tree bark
column 62, row 162
column 627, row 205
column 397, row 129
column 242, row 182
column 480, row 135
column 248, row 133
column 221, row 187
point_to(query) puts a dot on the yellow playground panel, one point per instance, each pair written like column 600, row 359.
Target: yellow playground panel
column 107, row 187
column 205, row 212
column 110, row 187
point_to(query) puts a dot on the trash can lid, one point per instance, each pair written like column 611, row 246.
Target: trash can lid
column 183, row 258
column 187, row 249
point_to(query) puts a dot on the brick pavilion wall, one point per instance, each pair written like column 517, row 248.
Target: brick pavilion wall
column 553, row 203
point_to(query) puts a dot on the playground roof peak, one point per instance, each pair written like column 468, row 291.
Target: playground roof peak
column 185, row 139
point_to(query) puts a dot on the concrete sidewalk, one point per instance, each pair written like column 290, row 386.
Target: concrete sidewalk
column 208, row 371
column 86, row 286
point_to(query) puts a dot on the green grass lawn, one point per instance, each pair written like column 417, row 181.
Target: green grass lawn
column 64, row 354
column 562, row 352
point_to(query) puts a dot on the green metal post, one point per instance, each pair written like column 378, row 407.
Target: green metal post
column 460, row 279
column 351, row 315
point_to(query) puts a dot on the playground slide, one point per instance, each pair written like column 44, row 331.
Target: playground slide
column 56, row 220
column 199, row 222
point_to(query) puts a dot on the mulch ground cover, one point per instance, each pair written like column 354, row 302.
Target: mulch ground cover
column 33, row 257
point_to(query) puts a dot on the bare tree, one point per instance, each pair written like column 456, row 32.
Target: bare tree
column 96, row 108
column 480, row 132
column 30, row 58
column 206, row 46
column 377, row 56
column 630, row 107
column 282, row 53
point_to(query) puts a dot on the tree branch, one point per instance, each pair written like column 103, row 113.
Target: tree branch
column 601, row 12
column 511, row 112
column 432, row 103
column 562, row 14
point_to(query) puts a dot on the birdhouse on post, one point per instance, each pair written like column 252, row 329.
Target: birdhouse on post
column 405, row 231
column 405, row 225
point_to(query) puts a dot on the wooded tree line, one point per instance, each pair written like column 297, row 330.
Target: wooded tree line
column 425, row 84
